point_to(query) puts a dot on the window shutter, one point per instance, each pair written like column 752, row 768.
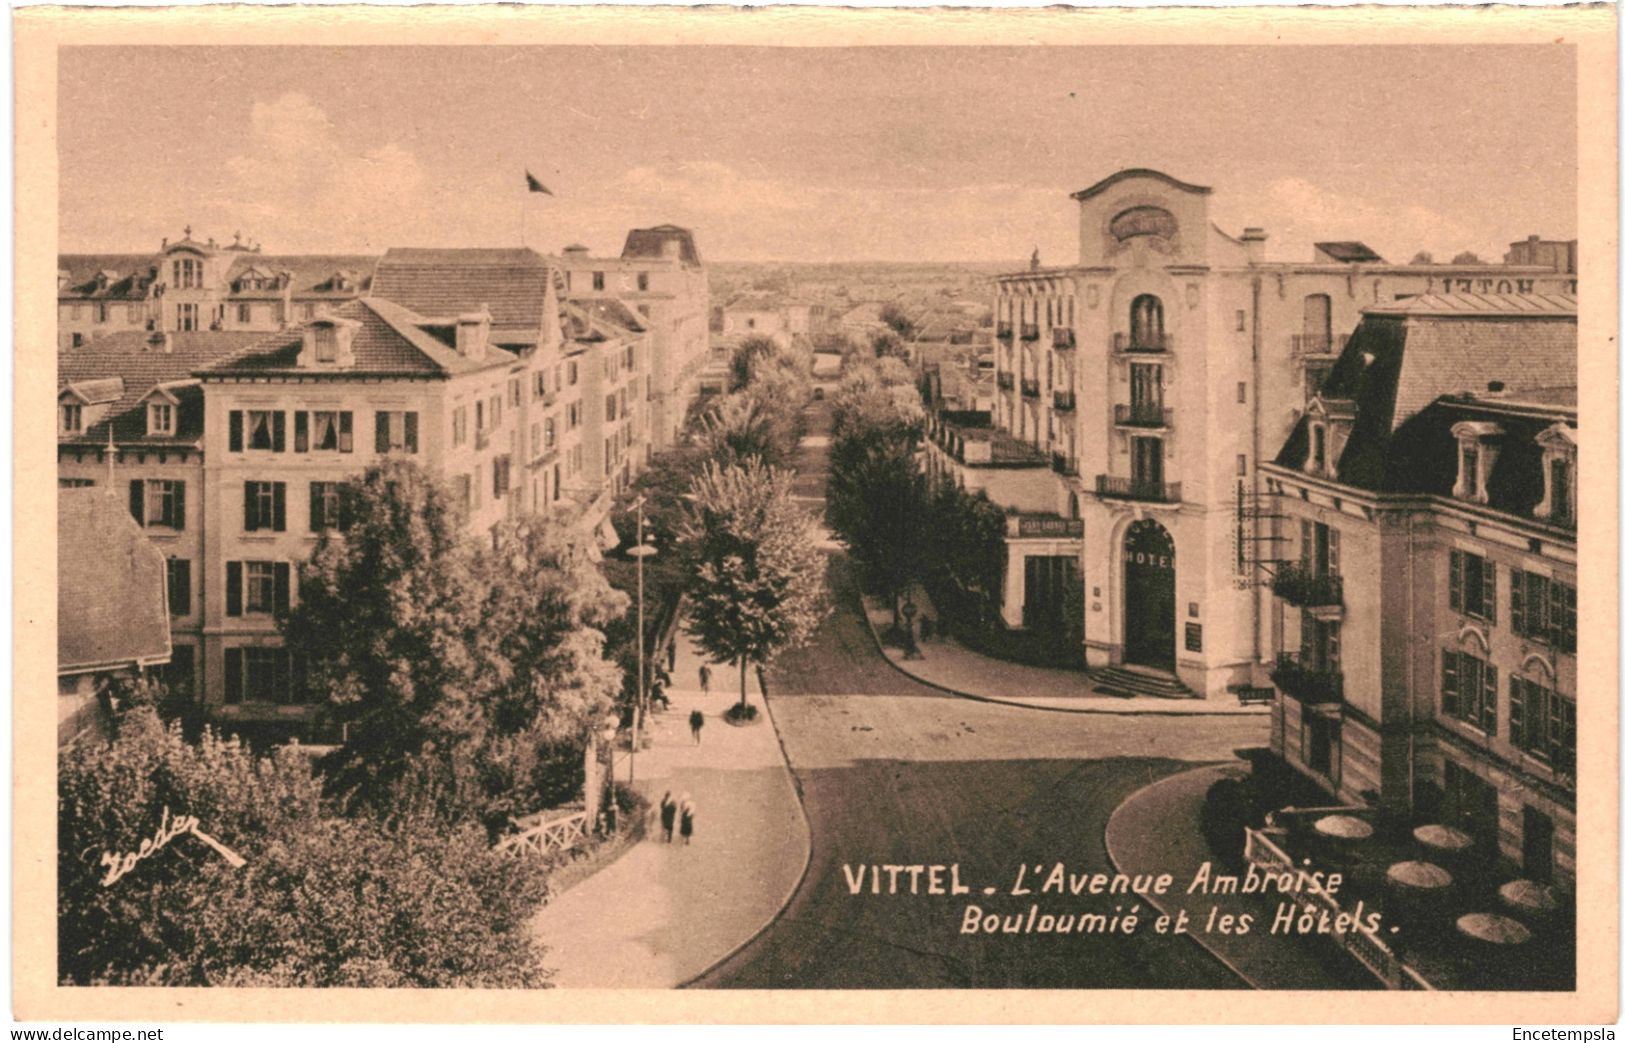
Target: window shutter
column 179, row 519
column 279, row 506
column 1333, row 553
column 138, row 501
column 1306, row 545
column 1456, row 565
column 1306, row 637
column 381, row 429
column 411, row 432
column 279, row 432
column 181, row 602
column 281, row 581
column 1334, row 646
column 1490, row 698
column 1518, row 580
column 1515, row 711
column 1489, row 591
column 316, row 507
column 251, row 521
column 1451, row 702
column 301, row 432
column 346, row 436
column 236, row 425
column 234, row 675
column 234, row 588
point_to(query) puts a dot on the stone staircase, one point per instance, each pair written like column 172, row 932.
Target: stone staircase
column 1130, row 682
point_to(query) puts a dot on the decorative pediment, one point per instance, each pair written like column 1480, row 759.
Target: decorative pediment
column 1476, row 430
column 1558, row 438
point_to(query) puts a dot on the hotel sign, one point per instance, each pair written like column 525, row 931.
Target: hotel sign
column 1144, row 220
column 1039, row 526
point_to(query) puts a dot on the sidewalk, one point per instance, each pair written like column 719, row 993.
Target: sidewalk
column 1158, row 830
column 949, row 665
column 661, row 914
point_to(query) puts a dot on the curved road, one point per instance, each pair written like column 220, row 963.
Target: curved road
column 892, row 771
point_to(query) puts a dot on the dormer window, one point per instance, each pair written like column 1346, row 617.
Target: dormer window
column 1558, row 453
column 160, row 418
column 72, row 418
column 326, row 341
column 1317, row 448
column 1475, row 456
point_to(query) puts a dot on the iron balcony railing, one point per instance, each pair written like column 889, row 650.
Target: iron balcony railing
column 1063, row 465
column 1306, row 682
column 1112, row 488
column 1066, row 401
column 1063, row 337
column 1306, row 588
column 1142, row 343
column 1006, row 380
column 1004, row 331
column 1029, row 387
column 1029, row 331
column 1318, row 343
column 1143, row 414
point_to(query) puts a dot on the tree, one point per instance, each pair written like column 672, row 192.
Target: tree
column 742, row 366
column 741, row 426
column 759, row 578
column 894, row 316
column 966, row 551
column 877, row 505
column 886, row 344
column 1422, row 257
column 1466, row 257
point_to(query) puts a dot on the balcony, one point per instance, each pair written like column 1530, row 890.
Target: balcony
column 1318, row 343
column 1142, row 414
column 1142, row 343
column 1003, row 331
column 1304, row 681
column 1029, row 387
column 1029, row 331
column 1063, row 465
column 1063, row 338
column 1065, row 401
column 1006, row 381
column 1108, row 487
column 1304, row 588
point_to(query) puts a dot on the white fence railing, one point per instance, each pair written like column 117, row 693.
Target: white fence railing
column 1364, row 946
column 559, row 834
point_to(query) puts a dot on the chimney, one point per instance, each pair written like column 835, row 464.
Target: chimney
column 1252, row 241
column 474, row 333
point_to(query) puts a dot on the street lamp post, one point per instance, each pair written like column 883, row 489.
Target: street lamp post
column 612, row 725
column 640, row 551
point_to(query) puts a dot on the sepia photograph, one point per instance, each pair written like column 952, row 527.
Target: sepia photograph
column 871, row 514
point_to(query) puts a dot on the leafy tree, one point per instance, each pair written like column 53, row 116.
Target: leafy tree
column 1422, row 257
column 894, row 316
column 759, row 579
column 877, row 505
column 885, row 345
column 740, row 427
column 742, row 367
column 1466, row 257
column 966, row 551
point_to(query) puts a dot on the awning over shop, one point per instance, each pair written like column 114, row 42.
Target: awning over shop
column 1493, row 929
column 1528, row 897
column 1423, row 876
column 1343, row 827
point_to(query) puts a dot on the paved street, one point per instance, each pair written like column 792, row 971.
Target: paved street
column 893, row 771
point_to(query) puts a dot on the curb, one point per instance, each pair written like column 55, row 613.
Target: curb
column 995, row 701
column 1117, row 866
column 806, row 860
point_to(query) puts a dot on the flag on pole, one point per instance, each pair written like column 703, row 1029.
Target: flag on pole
column 536, row 186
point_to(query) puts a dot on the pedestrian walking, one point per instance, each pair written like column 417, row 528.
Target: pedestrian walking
column 671, row 654
column 686, row 826
column 668, row 814
column 696, row 721
column 705, row 678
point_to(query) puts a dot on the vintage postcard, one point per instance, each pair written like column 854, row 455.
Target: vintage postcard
column 574, row 514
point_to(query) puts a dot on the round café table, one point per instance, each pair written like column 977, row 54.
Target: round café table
column 1447, row 840
column 1343, row 827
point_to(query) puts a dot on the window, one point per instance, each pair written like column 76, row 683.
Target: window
column 328, row 507
column 550, row 435
column 598, row 280
column 1318, row 549
column 479, row 483
column 1317, row 323
column 180, row 587
column 158, row 501
column 574, row 369
column 101, row 312
column 262, row 675
column 1314, row 378
column 75, row 483
column 179, row 674
column 501, row 476
column 1321, row 745
column 513, row 392
column 1241, row 391
column 643, row 281
column 1541, row 723
column 1538, row 835
column 1468, row 690
column 186, row 317
column 573, row 416
column 323, row 431
column 258, row 429
column 1543, row 609
column 1241, row 321
column 160, row 418
column 245, row 314
column 1145, row 322
column 464, row 486
column 496, row 411
column 73, row 418
column 307, row 311
column 1472, row 585
column 1320, row 643
column 326, row 340
column 609, row 407
column 1317, row 448
column 1475, row 457
column 479, row 416
column 538, row 384
column 459, row 426
column 1560, row 489
column 257, row 587
column 396, row 431
column 1472, row 804
column 264, row 506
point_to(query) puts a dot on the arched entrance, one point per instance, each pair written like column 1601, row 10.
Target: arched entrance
column 1148, row 595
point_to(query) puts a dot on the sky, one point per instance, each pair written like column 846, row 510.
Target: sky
column 809, row 154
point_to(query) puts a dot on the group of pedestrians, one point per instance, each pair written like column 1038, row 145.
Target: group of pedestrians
column 678, row 813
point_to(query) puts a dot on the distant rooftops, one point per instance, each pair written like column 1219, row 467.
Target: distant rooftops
column 111, row 602
column 1347, row 252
